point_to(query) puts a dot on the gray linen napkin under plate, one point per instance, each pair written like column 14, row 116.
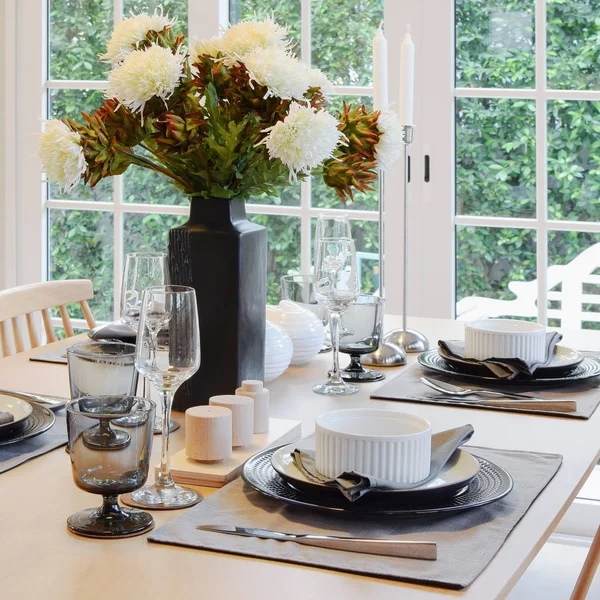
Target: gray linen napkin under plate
column 13, row 455
column 503, row 368
column 355, row 485
column 408, row 387
column 467, row 541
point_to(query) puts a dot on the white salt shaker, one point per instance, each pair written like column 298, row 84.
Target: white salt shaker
column 253, row 388
column 242, row 416
column 208, row 433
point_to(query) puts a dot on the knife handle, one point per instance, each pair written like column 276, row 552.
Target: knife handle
column 556, row 405
column 398, row 549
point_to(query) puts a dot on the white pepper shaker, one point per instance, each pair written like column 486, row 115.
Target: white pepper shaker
column 253, row 388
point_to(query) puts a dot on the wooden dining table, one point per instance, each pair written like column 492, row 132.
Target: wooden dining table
column 39, row 558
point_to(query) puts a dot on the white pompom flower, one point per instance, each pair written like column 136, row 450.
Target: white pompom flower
column 130, row 32
column 316, row 78
column 390, row 147
column 284, row 75
column 208, row 47
column 144, row 74
column 242, row 38
column 303, row 140
column 61, row 154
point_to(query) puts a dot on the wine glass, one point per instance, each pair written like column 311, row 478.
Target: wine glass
column 362, row 326
column 336, row 287
column 331, row 225
column 167, row 353
column 111, row 470
column 142, row 270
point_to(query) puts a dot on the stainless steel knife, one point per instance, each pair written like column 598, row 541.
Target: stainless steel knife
column 52, row 402
column 382, row 547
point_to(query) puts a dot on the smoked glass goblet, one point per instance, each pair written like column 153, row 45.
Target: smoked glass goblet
column 361, row 333
column 110, row 471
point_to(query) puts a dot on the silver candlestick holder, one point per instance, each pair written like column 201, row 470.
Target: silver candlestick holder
column 399, row 341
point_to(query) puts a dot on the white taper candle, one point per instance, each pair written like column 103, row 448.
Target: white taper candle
column 380, row 76
column 407, row 80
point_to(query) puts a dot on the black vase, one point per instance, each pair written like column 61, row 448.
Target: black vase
column 223, row 256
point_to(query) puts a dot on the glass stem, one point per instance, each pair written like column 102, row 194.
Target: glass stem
column 334, row 324
column 110, row 507
column 164, row 478
column 355, row 365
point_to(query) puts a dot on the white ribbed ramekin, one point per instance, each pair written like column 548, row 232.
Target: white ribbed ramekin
column 381, row 443
column 505, row 338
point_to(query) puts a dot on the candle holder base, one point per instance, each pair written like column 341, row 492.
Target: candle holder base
column 408, row 340
column 387, row 355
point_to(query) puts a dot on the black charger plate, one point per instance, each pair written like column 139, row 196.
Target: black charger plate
column 40, row 420
column 490, row 484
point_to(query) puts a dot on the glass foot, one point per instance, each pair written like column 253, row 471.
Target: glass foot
column 92, row 522
column 335, row 389
column 106, row 438
column 162, row 498
column 326, row 347
column 364, row 376
column 173, row 426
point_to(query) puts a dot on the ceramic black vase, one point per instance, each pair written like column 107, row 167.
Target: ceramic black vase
column 223, row 256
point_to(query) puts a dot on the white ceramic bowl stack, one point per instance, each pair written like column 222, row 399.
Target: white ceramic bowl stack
column 505, row 338
column 382, row 443
column 278, row 351
column 304, row 328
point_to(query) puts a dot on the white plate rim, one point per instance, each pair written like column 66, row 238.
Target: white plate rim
column 8, row 404
column 289, row 471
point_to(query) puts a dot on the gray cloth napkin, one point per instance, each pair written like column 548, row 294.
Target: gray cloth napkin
column 503, row 368
column 6, row 417
column 408, row 387
column 467, row 541
column 355, row 485
column 13, row 455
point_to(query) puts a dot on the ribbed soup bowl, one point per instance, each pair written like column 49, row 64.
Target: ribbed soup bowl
column 381, row 443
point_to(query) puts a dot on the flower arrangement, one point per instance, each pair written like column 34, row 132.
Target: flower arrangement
column 227, row 117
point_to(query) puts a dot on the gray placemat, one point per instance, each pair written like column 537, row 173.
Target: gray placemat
column 16, row 454
column 406, row 387
column 467, row 541
column 53, row 356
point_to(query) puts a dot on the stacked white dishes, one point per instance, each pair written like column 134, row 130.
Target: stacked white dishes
column 505, row 338
column 305, row 330
column 278, row 351
column 382, row 443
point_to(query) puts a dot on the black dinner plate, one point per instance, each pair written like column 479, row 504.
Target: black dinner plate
column 41, row 419
column 431, row 359
column 490, row 484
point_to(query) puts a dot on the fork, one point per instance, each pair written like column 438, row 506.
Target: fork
column 510, row 398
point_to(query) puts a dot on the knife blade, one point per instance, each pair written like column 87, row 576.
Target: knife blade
column 381, row 547
column 541, row 404
column 53, row 402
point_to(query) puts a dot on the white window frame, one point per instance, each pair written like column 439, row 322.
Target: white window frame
column 205, row 19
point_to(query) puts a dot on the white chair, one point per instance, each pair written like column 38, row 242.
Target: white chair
column 26, row 300
column 575, row 279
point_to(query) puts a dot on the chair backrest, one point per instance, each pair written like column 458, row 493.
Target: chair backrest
column 26, row 300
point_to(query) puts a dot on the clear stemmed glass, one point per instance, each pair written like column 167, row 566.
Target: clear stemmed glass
column 142, row 270
column 336, row 287
column 167, row 353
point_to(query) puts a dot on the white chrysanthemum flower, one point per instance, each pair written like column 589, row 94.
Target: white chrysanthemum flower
column 284, row 76
column 316, row 78
column 242, row 38
column 208, row 47
column 304, row 139
column 61, row 154
column 130, row 32
column 390, row 147
column 144, row 74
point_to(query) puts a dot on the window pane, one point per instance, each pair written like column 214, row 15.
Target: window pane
column 284, row 250
column 325, row 197
column 284, row 12
column 174, row 8
column 80, row 246
column 70, row 103
column 488, row 262
column 78, row 32
column 148, row 232
column 342, row 38
column 495, row 157
column 573, row 30
column 286, row 196
column 144, row 186
column 575, row 288
column 573, row 160
column 495, row 43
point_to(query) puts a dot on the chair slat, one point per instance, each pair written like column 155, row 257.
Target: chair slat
column 50, row 337
column 588, row 570
column 4, row 345
column 33, row 338
column 17, row 335
column 66, row 320
column 87, row 313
